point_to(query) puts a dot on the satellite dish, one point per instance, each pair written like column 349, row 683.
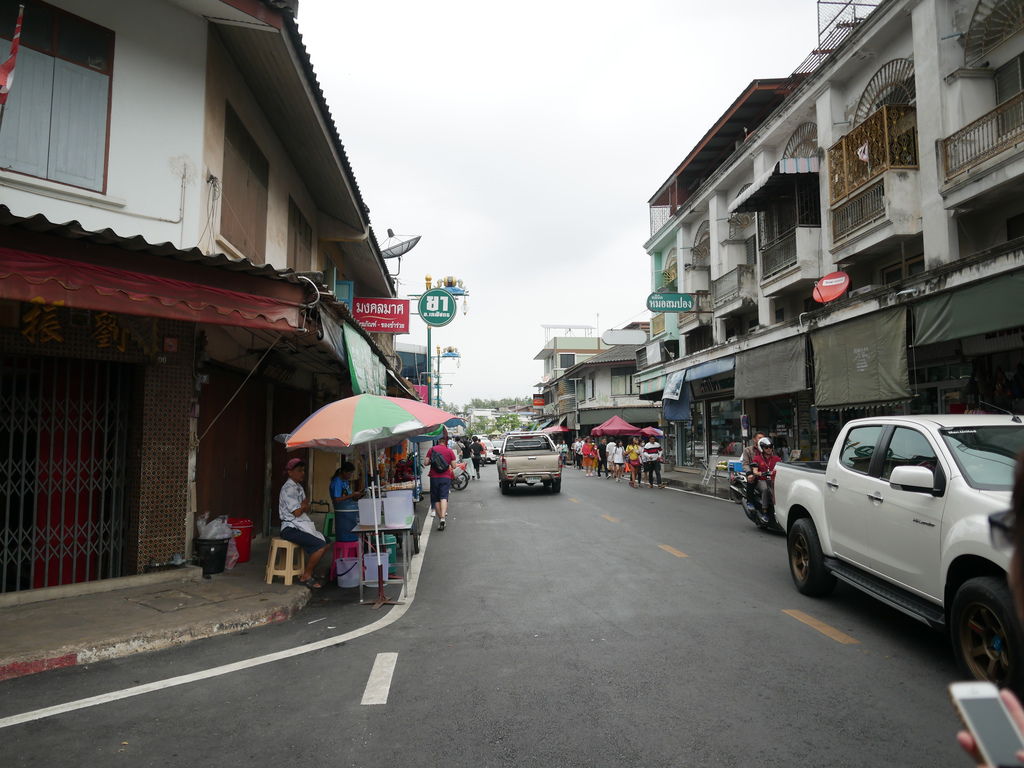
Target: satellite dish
column 399, row 247
column 831, row 287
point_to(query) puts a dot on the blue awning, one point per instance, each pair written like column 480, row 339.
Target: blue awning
column 676, row 398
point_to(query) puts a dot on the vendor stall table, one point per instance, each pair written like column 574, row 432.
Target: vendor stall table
column 366, row 537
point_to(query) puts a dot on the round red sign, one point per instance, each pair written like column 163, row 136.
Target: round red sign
column 831, row 287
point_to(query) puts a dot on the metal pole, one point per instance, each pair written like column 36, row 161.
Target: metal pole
column 429, row 373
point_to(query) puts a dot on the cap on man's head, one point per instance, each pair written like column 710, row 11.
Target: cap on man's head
column 293, row 463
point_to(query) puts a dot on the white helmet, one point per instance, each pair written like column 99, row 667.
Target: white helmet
column 764, row 442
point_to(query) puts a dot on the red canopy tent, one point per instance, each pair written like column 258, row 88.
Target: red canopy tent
column 615, row 426
column 651, row 432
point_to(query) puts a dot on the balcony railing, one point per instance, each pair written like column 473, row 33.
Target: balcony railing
column 701, row 310
column 887, row 139
column 660, row 215
column 862, row 209
column 728, row 287
column 779, row 255
column 657, row 324
column 984, row 138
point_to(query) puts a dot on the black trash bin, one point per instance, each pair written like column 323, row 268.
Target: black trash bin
column 213, row 554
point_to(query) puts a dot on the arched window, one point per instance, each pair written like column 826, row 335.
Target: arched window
column 702, row 245
column 740, row 222
column 893, row 83
column 803, row 142
column 992, row 24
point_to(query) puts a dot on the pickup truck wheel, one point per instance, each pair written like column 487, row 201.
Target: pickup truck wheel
column 504, row 488
column 986, row 638
column 806, row 562
column 556, row 486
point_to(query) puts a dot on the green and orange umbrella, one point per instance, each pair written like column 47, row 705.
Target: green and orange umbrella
column 366, row 420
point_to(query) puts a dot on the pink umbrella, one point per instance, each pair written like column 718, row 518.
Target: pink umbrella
column 555, row 429
column 651, row 432
column 615, row 426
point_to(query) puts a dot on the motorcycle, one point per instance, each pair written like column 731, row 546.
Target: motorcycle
column 748, row 496
column 461, row 480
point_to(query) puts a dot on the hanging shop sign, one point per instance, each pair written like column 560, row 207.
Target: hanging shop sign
column 831, row 287
column 382, row 315
column 437, row 307
column 538, row 402
column 671, row 302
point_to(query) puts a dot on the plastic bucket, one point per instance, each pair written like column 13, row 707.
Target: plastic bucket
column 370, row 567
column 398, row 509
column 242, row 530
column 348, row 571
column 213, row 554
column 369, row 511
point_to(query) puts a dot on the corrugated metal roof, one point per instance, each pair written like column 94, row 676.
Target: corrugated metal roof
column 73, row 230
column 621, row 353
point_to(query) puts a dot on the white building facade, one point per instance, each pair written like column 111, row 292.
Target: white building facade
column 894, row 158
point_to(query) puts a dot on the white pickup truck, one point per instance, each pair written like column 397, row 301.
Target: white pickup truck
column 900, row 511
column 529, row 458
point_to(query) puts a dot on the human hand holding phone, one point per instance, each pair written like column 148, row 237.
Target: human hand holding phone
column 995, row 724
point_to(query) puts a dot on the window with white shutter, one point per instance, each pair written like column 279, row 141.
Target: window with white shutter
column 55, row 122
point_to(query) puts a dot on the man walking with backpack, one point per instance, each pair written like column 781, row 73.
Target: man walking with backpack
column 440, row 458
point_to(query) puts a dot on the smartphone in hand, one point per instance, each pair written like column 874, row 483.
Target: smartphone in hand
column 986, row 717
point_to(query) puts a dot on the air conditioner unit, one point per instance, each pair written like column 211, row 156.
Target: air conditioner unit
column 864, row 289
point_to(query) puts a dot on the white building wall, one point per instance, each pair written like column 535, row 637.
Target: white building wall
column 155, row 129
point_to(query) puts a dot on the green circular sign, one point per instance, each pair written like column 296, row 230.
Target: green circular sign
column 437, row 307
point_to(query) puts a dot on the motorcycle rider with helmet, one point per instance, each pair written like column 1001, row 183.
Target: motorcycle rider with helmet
column 763, row 469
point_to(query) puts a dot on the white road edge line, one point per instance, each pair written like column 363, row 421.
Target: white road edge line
column 379, row 683
column 695, row 493
column 393, row 615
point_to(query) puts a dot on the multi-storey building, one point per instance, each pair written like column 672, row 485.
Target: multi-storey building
column 560, row 353
column 893, row 155
column 179, row 231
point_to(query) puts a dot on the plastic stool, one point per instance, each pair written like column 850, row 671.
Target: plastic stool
column 329, row 526
column 294, row 561
column 343, row 549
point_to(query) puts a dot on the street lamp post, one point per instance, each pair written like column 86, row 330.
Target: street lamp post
column 437, row 306
column 449, row 352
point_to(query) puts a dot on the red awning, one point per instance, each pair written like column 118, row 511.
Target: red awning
column 615, row 426
column 32, row 277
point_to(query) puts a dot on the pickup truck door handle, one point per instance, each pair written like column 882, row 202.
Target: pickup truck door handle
column 531, row 458
column 876, row 496
column 832, row 484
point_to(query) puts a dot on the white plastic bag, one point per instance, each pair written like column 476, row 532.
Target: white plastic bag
column 217, row 528
column 232, row 558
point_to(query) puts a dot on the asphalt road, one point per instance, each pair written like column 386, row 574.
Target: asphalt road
column 603, row 626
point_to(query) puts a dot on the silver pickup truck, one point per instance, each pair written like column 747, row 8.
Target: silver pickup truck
column 529, row 458
column 900, row 511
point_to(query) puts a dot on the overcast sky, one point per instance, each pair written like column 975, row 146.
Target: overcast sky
column 522, row 142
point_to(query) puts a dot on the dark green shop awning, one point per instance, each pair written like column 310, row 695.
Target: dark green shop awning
column 991, row 305
column 773, row 369
column 862, row 361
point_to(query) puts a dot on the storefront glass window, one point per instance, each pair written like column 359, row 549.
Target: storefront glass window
column 724, row 427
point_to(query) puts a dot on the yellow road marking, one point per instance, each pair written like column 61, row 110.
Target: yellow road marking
column 611, row 519
column 575, row 501
column 825, row 629
column 672, row 550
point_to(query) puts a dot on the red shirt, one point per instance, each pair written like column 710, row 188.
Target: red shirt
column 765, row 463
column 448, row 455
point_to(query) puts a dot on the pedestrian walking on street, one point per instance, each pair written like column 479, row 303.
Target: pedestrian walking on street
column 633, row 453
column 467, row 451
column 440, row 458
column 602, row 456
column 577, row 453
column 478, row 452
column 618, row 454
column 296, row 526
column 563, row 453
column 589, row 451
column 652, row 461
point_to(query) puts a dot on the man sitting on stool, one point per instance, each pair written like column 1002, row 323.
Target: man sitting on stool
column 296, row 525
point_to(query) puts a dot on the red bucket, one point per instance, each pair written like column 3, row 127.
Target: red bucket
column 242, row 530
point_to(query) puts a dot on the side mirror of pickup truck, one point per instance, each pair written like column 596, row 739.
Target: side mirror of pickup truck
column 915, row 479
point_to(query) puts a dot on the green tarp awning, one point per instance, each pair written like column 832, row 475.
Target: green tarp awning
column 773, row 369
column 365, row 368
column 991, row 305
column 862, row 361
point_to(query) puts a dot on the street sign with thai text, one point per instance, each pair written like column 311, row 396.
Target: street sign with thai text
column 671, row 302
column 437, row 307
column 382, row 315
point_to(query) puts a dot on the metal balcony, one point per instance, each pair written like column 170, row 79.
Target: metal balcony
column 734, row 284
column 887, row 139
column 862, row 209
column 986, row 137
column 779, row 255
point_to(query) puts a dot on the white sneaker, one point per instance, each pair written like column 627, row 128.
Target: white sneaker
column 440, row 525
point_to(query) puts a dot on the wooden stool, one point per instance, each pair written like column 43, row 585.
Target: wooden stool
column 294, row 561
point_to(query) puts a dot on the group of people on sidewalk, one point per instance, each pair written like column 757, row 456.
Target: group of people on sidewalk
column 596, row 456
